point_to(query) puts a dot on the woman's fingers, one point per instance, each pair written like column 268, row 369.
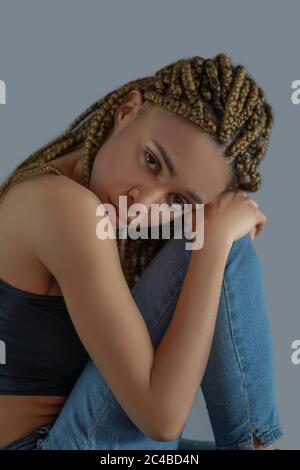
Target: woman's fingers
column 256, row 230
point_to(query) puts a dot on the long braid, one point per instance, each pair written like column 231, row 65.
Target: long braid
column 217, row 96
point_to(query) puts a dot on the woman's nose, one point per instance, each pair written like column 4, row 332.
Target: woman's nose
column 146, row 197
column 149, row 197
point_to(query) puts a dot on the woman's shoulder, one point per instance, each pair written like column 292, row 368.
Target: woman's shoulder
column 55, row 198
column 32, row 209
column 61, row 230
column 18, row 215
column 45, row 188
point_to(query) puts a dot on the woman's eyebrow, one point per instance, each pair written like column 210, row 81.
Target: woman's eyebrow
column 164, row 155
column 169, row 164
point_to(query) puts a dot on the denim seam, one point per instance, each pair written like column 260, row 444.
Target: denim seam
column 251, row 427
column 268, row 438
column 246, row 404
column 163, row 312
column 98, row 421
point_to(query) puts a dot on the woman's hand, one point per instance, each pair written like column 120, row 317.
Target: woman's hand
column 232, row 215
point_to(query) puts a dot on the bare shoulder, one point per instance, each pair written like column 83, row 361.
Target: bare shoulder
column 24, row 213
column 45, row 189
column 59, row 223
column 50, row 195
column 45, row 198
column 49, row 187
column 55, row 204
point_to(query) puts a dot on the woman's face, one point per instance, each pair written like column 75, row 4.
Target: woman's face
column 157, row 158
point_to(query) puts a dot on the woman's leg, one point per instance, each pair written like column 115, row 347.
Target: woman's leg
column 239, row 380
column 92, row 418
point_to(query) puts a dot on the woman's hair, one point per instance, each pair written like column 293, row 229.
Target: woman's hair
column 212, row 93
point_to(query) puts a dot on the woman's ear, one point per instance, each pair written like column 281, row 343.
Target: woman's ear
column 130, row 107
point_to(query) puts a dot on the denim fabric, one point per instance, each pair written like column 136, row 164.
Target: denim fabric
column 33, row 441
column 238, row 384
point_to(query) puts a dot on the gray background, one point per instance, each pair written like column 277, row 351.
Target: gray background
column 58, row 57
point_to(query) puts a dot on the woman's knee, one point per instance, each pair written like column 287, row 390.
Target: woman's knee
column 243, row 255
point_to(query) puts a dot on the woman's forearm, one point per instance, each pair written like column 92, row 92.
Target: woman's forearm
column 181, row 357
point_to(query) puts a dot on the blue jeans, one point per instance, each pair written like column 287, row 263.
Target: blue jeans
column 238, row 385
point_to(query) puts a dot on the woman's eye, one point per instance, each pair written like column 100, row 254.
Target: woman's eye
column 182, row 201
column 150, row 159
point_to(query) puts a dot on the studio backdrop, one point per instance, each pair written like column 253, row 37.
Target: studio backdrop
column 58, row 57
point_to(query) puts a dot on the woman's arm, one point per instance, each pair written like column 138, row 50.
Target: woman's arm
column 181, row 357
column 156, row 389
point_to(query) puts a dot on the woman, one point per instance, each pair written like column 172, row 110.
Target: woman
column 107, row 341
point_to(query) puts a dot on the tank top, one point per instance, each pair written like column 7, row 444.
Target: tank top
column 40, row 351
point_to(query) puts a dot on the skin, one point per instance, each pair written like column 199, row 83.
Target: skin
column 198, row 161
column 129, row 164
column 121, row 167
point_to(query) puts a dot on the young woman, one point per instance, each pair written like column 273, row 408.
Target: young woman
column 107, row 341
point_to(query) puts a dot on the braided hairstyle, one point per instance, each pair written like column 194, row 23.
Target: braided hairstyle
column 217, row 96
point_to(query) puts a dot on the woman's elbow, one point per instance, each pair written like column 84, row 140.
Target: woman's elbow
column 164, row 433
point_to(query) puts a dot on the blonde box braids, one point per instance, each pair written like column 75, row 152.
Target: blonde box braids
column 218, row 97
